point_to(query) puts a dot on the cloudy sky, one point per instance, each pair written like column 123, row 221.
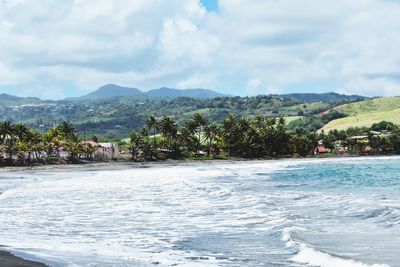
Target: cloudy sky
column 62, row 48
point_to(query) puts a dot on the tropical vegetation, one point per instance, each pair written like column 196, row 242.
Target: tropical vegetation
column 198, row 138
column 23, row 145
column 115, row 117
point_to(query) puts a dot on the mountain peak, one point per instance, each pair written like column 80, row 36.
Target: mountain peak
column 113, row 90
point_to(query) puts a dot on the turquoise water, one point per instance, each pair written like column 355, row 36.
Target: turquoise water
column 330, row 212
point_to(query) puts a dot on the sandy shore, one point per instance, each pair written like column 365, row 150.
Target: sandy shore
column 118, row 165
column 9, row 260
column 103, row 166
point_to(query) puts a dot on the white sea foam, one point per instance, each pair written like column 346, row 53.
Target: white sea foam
column 313, row 257
column 310, row 256
column 206, row 215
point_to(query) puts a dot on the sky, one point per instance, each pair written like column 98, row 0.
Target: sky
column 62, row 48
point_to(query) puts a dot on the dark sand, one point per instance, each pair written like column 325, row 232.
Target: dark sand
column 9, row 260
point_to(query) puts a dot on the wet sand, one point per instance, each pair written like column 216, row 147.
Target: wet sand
column 9, row 260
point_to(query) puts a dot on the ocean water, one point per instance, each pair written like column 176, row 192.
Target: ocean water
column 328, row 212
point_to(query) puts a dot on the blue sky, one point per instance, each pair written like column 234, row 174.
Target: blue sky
column 210, row 5
column 56, row 49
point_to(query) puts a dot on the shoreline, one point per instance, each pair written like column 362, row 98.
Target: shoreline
column 118, row 165
column 8, row 259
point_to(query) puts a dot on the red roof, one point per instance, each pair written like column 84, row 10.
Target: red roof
column 321, row 149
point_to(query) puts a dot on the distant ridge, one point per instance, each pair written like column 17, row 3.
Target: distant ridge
column 113, row 90
column 11, row 99
column 195, row 93
column 325, row 97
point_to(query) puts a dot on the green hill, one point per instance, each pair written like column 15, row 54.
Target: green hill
column 6, row 99
column 366, row 113
column 117, row 116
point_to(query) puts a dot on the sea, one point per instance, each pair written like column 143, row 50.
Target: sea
column 341, row 212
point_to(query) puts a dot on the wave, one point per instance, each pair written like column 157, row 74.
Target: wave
column 310, row 256
column 388, row 216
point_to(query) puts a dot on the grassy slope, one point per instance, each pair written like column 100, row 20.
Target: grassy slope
column 366, row 113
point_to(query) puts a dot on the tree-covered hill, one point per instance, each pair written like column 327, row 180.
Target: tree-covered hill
column 327, row 97
column 114, row 117
column 6, row 99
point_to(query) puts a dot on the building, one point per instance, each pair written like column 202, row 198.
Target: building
column 111, row 150
column 321, row 150
column 108, row 150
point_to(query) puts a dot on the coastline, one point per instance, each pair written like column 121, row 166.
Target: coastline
column 117, row 165
column 7, row 259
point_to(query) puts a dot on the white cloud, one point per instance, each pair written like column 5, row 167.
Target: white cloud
column 247, row 47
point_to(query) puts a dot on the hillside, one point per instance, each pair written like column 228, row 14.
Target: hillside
column 117, row 115
column 6, row 99
column 325, row 97
column 366, row 113
column 113, row 90
column 171, row 92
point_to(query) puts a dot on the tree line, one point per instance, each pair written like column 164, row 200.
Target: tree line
column 257, row 137
column 234, row 137
column 30, row 145
column 163, row 138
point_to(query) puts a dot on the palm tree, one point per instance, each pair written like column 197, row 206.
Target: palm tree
column 20, row 130
column 152, row 125
column 199, row 121
column 187, row 136
column 229, row 133
column 168, row 129
column 88, row 150
column 136, row 141
column 210, row 133
column 21, row 148
column 52, row 140
column 68, row 131
column 34, row 141
column 6, row 131
column 74, row 148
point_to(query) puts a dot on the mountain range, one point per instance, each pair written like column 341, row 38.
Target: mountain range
column 113, row 90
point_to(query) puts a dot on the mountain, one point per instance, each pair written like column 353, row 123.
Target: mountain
column 6, row 99
column 113, row 90
column 325, row 97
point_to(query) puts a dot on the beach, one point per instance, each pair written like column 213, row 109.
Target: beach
column 9, row 260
